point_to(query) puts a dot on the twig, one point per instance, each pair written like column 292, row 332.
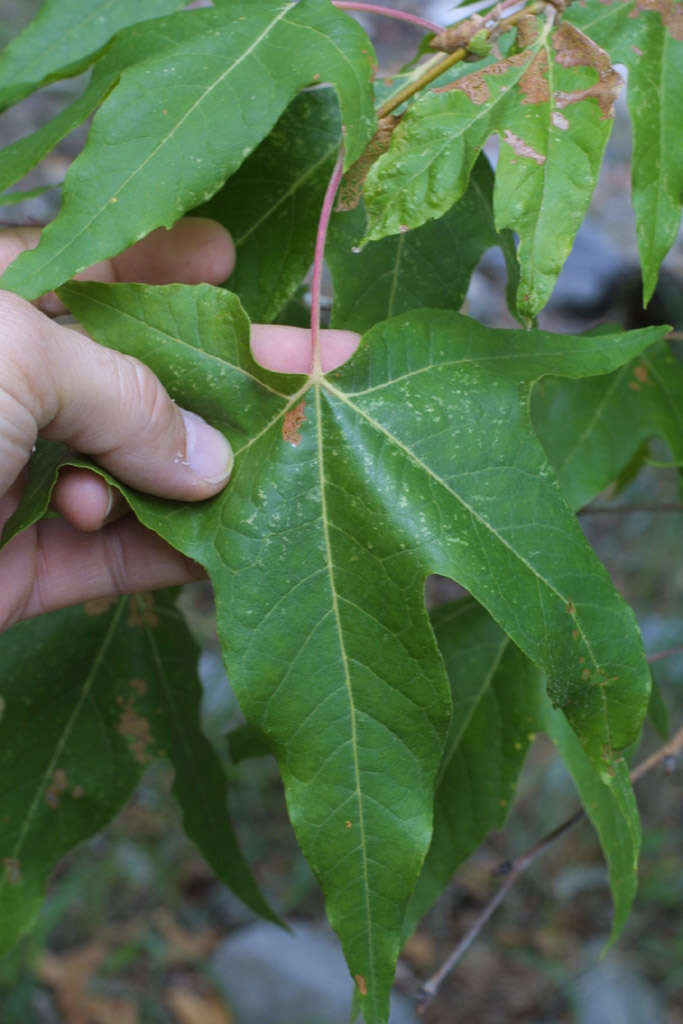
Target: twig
column 675, row 336
column 388, row 12
column 321, row 235
column 623, row 509
column 669, row 653
column 514, row 868
column 453, row 58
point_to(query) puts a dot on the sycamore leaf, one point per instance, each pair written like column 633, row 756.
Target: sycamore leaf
column 179, row 124
column 348, row 490
column 647, row 36
column 592, row 428
column 129, row 47
column 499, row 703
column 272, row 204
column 551, row 104
column 88, row 697
column 63, row 39
column 430, row 266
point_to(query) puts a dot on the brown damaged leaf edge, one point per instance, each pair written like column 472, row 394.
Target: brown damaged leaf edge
column 475, row 85
column 354, row 179
column 670, row 11
column 573, row 49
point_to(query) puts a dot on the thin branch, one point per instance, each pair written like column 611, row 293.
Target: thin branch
column 514, row 868
column 321, row 235
column 453, row 58
column 675, row 336
column 388, row 12
column 669, row 653
column 623, row 509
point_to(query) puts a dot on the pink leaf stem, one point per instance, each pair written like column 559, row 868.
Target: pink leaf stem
column 323, row 223
column 388, row 12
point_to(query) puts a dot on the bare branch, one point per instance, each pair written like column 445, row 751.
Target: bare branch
column 623, row 509
column 512, row 869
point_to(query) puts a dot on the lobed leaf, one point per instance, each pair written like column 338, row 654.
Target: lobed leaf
column 88, row 697
column 343, row 499
column 154, row 148
column 647, row 36
column 592, row 428
column 64, row 38
column 551, row 104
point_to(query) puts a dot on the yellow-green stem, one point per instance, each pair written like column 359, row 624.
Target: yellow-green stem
column 448, row 62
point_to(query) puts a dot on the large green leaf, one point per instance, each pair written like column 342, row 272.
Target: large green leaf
column 551, row 103
column 647, row 36
column 64, row 38
column 272, row 204
column 178, row 125
column 430, row 266
column 344, row 497
column 592, row 428
column 499, row 704
column 88, row 697
column 130, row 46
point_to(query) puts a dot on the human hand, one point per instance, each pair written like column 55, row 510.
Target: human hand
column 57, row 383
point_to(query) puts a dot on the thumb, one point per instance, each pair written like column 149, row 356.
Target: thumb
column 61, row 384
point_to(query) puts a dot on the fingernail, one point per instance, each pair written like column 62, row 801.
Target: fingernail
column 208, row 454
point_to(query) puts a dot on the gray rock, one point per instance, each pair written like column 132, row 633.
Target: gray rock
column 270, row 976
column 612, row 992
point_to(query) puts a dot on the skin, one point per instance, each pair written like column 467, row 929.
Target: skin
column 57, row 383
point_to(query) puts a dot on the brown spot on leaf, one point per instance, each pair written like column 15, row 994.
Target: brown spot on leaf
column 354, row 179
column 522, row 148
column 140, row 685
column 640, row 373
column 142, row 611
column 586, row 674
column 527, row 31
column 475, row 85
column 58, row 785
column 670, row 11
column 559, row 120
column 347, row 824
column 533, row 83
column 570, row 608
column 453, row 39
column 12, row 870
column 136, row 730
column 575, row 634
column 291, row 423
column 573, row 49
column 633, row 385
column 360, row 981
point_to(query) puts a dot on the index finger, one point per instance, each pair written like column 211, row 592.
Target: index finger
column 193, row 251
